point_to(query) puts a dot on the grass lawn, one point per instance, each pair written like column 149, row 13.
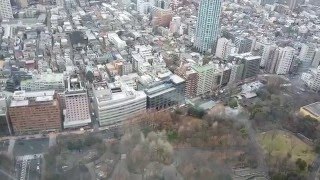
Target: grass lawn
column 280, row 143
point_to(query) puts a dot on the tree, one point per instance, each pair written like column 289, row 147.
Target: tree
column 233, row 103
column 302, row 164
column 196, row 111
column 90, row 76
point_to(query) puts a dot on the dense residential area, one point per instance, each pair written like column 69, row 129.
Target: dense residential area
column 159, row 89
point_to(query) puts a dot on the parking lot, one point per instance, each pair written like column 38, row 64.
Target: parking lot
column 4, row 146
column 30, row 146
column 28, row 168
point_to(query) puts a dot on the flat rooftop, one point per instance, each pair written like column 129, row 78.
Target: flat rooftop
column 313, row 108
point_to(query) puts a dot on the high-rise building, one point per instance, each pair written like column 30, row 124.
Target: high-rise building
column 243, row 44
column 209, row 78
column 285, row 60
column 32, row 112
column 175, row 24
column 251, row 66
column 224, row 48
column 306, row 55
column 271, row 62
column 265, row 52
column 207, row 29
column 77, row 105
column 312, row 79
column 5, row 9
column 293, row 4
column 316, row 59
column 115, row 105
column 191, row 78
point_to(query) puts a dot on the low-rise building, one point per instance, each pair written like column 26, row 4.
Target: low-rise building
column 115, row 105
column 32, row 112
column 42, row 82
column 166, row 93
column 312, row 110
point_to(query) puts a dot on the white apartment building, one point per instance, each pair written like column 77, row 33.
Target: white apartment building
column 46, row 81
column 175, row 24
column 77, row 111
column 5, row 9
column 114, row 39
column 312, row 79
column 224, row 48
column 118, row 104
column 285, row 60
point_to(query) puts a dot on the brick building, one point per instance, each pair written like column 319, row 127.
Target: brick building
column 32, row 112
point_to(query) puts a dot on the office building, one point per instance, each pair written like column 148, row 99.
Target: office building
column 33, row 112
column 251, row 66
column 207, row 29
column 117, row 104
column 77, row 112
column 209, row 77
column 5, row 128
column 166, row 93
column 5, row 9
column 243, row 44
column 316, row 59
column 285, row 60
column 46, row 81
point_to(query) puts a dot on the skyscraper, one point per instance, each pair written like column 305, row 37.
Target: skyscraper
column 207, row 25
column 5, row 9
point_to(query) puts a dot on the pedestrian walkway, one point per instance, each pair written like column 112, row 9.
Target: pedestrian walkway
column 11, row 146
column 52, row 139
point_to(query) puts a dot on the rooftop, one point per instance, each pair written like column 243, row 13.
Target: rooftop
column 313, row 108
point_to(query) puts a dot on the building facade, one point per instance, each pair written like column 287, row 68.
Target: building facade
column 207, row 29
column 44, row 82
column 285, row 60
column 5, row 9
column 118, row 104
column 77, row 111
column 33, row 112
column 166, row 93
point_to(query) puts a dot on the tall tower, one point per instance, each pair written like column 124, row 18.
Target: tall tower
column 285, row 60
column 5, row 9
column 207, row 25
